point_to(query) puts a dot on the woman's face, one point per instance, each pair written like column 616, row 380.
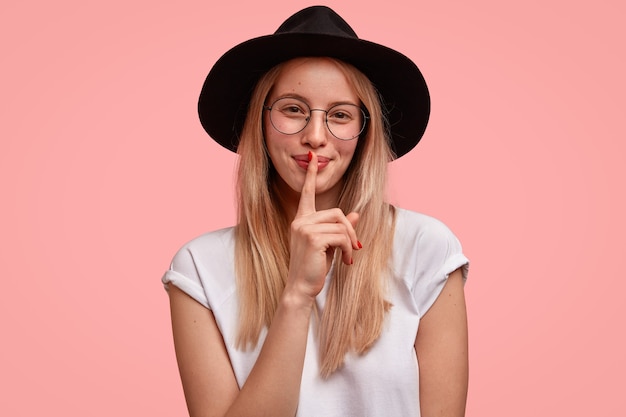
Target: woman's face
column 321, row 85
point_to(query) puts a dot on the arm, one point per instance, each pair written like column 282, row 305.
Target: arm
column 208, row 380
column 207, row 377
column 442, row 351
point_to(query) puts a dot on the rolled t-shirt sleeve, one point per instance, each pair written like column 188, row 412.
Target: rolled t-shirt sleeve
column 433, row 252
column 183, row 273
column 204, row 269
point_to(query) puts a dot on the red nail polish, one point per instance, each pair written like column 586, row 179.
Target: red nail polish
column 359, row 244
column 310, row 156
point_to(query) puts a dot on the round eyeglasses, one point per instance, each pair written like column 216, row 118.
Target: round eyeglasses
column 290, row 115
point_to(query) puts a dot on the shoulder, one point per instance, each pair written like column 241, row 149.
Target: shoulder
column 204, row 267
column 211, row 245
column 419, row 231
column 425, row 248
column 425, row 253
column 209, row 253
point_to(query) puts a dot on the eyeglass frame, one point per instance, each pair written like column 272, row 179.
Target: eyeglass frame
column 363, row 110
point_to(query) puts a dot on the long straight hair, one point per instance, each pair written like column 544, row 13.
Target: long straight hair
column 353, row 315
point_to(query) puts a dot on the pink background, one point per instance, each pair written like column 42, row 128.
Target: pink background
column 105, row 172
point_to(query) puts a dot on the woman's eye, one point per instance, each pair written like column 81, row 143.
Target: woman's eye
column 292, row 110
column 340, row 116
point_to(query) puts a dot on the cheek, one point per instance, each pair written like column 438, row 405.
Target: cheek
column 270, row 140
column 276, row 153
column 273, row 147
column 265, row 122
column 347, row 149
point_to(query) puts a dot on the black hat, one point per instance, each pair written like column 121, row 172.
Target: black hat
column 314, row 31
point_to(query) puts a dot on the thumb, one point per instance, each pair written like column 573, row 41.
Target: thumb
column 353, row 218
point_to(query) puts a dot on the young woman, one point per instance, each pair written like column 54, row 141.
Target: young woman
column 324, row 298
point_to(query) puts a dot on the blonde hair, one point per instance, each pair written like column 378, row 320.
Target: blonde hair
column 354, row 312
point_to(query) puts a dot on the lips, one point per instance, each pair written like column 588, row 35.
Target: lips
column 303, row 161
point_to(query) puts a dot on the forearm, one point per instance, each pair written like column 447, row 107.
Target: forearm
column 273, row 386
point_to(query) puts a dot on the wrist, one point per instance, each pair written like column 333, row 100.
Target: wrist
column 295, row 298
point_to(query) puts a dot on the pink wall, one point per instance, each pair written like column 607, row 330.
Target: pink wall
column 105, row 172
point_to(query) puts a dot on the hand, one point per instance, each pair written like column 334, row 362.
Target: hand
column 315, row 235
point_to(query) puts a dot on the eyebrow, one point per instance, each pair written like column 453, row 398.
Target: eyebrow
column 302, row 98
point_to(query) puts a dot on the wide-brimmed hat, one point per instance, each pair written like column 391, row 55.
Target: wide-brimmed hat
column 314, row 31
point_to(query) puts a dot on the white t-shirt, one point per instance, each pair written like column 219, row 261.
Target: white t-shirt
column 384, row 381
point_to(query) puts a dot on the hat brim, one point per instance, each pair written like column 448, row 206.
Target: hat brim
column 226, row 92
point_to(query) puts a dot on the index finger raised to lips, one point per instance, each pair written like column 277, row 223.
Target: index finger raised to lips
column 307, row 195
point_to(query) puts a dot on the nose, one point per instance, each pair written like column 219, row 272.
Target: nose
column 315, row 133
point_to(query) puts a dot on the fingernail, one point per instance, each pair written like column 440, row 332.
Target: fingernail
column 310, row 156
column 359, row 244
